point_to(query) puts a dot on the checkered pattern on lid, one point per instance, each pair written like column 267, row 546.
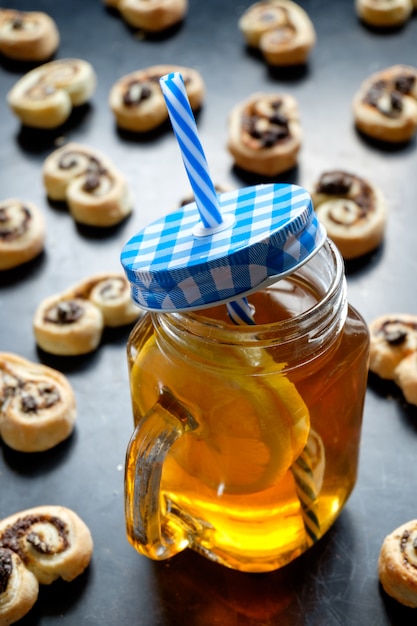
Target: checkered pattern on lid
column 268, row 231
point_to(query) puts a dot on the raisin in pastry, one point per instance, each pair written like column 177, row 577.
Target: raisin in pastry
column 19, row 588
column 137, row 101
column 97, row 194
column 27, row 35
column 72, row 322
column 52, row 541
column 393, row 338
column 22, row 232
column 352, row 210
column 385, row 106
column 265, row 133
column 37, row 405
column 397, row 564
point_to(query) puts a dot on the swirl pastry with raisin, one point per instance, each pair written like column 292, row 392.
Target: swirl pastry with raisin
column 393, row 352
column 67, row 325
column 352, row 210
column 110, row 292
column 265, row 133
column 22, row 232
column 27, row 35
column 137, row 101
column 393, row 338
column 383, row 13
column 385, row 106
column 281, row 29
column 19, row 588
column 405, row 376
column 397, row 564
column 37, row 405
column 52, row 541
column 45, row 96
column 151, row 15
column 72, row 323
column 97, row 194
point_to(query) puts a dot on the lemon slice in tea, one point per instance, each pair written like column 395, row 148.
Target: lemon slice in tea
column 251, row 428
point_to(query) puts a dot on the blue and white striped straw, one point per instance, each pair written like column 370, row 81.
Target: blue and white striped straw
column 241, row 312
column 185, row 129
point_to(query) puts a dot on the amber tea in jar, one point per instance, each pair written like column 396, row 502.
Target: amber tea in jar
column 246, row 438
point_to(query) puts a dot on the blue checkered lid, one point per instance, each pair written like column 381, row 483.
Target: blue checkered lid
column 268, row 231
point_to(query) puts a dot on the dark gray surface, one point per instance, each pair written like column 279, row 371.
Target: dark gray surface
column 336, row 582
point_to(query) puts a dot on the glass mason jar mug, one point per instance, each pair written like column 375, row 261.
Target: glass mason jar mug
column 246, row 438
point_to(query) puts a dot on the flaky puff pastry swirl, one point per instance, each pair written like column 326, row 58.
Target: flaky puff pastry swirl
column 281, row 29
column 72, row 322
column 265, row 133
column 397, row 564
column 97, row 194
column 22, row 232
column 151, row 15
column 137, row 101
column 405, row 376
column 393, row 353
column 385, row 106
column 68, row 326
column 27, row 35
column 393, row 338
column 110, row 292
column 37, row 405
column 19, row 588
column 352, row 210
column 45, row 96
column 383, row 13
column 52, row 541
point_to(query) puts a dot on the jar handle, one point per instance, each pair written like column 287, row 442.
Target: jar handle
column 157, row 534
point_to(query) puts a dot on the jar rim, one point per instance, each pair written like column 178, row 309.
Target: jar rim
column 300, row 318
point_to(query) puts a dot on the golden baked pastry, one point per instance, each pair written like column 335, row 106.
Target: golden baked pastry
column 27, row 35
column 265, row 133
column 95, row 191
column 385, row 106
column 393, row 338
column 352, row 210
column 397, row 564
column 137, row 101
column 52, row 541
column 45, row 96
column 384, row 12
column 19, row 588
column 281, row 29
column 72, row 322
column 110, row 292
column 38, row 407
column 151, row 15
column 405, row 376
column 22, row 232
column 68, row 326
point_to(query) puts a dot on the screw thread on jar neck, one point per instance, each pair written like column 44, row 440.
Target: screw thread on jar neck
column 297, row 338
